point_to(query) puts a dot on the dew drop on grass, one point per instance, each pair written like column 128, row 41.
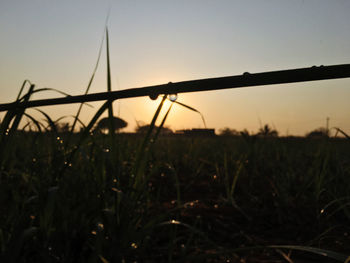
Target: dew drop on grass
column 173, row 97
column 322, row 211
column 116, row 190
column 174, row 222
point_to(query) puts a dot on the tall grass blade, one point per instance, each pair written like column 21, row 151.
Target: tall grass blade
column 162, row 124
column 88, row 128
column 91, row 79
column 48, row 89
column 109, row 88
column 192, row 109
column 80, row 121
column 50, row 122
column 317, row 251
column 20, row 112
column 28, row 124
column 37, row 123
column 342, row 132
column 103, row 260
column 22, row 88
column 143, row 148
column 7, row 131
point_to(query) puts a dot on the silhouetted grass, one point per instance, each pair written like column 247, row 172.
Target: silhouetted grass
column 186, row 201
column 85, row 197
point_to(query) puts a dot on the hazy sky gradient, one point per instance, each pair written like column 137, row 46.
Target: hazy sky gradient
column 55, row 44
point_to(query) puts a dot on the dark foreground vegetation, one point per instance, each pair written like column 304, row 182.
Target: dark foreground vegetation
column 90, row 197
column 178, row 199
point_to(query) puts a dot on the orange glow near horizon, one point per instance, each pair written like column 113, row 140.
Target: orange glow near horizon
column 155, row 43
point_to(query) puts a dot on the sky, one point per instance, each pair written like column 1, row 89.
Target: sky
column 55, row 44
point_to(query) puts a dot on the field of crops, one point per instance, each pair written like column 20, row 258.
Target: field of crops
column 129, row 198
column 94, row 197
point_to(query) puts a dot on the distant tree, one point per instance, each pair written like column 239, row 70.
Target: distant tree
column 144, row 128
column 266, row 131
column 318, row 133
column 244, row 133
column 103, row 124
column 228, row 132
column 249, row 138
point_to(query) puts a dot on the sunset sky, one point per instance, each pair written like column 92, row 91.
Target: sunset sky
column 55, row 43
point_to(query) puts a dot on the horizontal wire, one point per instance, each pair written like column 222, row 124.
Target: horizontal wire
column 238, row 81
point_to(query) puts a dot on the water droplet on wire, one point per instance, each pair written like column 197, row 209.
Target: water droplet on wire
column 173, row 97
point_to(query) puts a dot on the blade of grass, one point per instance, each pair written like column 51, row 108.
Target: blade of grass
column 50, row 122
column 71, row 116
column 192, row 109
column 322, row 252
column 143, row 148
column 88, row 128
column 37, row 123
column 342, row 132
column 28, row 124
column 91, row 78
column 19, row 115
column 7, row 131
column 161, row 124
column 22, row 88
column 109, row 89
column 46, row 89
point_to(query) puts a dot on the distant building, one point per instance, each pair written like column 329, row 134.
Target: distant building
column 196, row 132
column 318, row 133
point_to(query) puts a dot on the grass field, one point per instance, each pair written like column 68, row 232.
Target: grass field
column 180, row 199
column 91, row 197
